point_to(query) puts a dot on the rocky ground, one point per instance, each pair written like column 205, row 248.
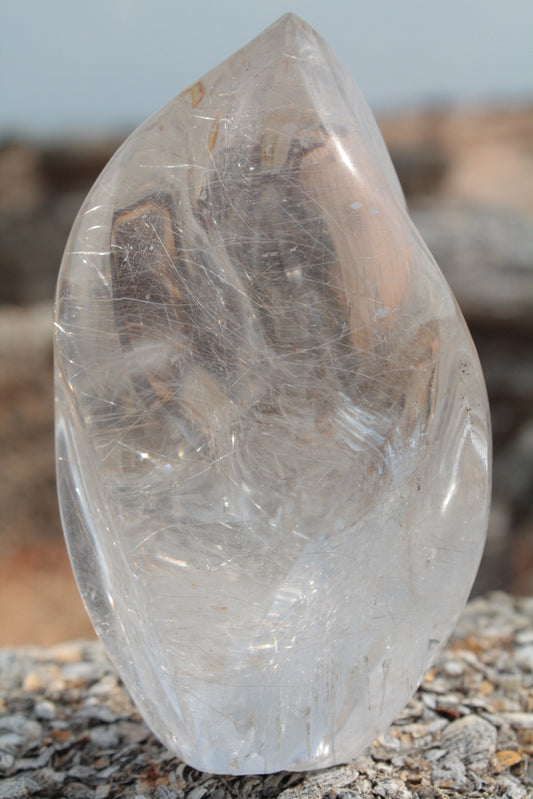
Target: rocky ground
column 68, row 728
column 468, row 177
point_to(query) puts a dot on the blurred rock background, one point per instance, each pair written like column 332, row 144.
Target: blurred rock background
column 468, row 178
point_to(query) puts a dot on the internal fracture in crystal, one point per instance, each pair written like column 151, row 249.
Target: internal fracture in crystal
column 272, row 428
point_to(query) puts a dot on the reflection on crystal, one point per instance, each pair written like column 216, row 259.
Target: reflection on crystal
column 272, row 428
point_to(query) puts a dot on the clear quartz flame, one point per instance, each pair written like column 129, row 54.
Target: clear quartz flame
column 272, row 428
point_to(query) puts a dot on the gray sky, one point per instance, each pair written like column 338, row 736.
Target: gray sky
column 68, row 66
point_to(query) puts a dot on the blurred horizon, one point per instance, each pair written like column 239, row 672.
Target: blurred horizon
column 86, row 70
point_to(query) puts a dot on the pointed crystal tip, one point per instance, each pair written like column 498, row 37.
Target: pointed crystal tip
column 293, row 29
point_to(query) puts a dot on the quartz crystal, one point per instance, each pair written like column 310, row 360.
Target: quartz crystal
column 272, row 428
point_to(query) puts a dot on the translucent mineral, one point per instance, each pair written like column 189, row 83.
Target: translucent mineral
column 272, row 428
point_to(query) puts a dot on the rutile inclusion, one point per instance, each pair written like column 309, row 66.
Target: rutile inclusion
column 272, row 428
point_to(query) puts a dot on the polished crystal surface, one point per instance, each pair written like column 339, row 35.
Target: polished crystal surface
column 272, row 428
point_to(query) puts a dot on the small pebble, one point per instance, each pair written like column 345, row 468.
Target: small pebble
column 21, row 725
column 18, row 787
column 511, row 683
column 6, row 762
column 105, row 736
column 524, row 656
column 197, row 793
column 513, row 789
column 45, row 710
column 391, row 789
column 11, row 741
column 519, row 721
column 104, row 686
column 472, row 739
column 524, row 637
column 450, row 771
column 453, row 668
column 32, row 682
column 432, row 755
